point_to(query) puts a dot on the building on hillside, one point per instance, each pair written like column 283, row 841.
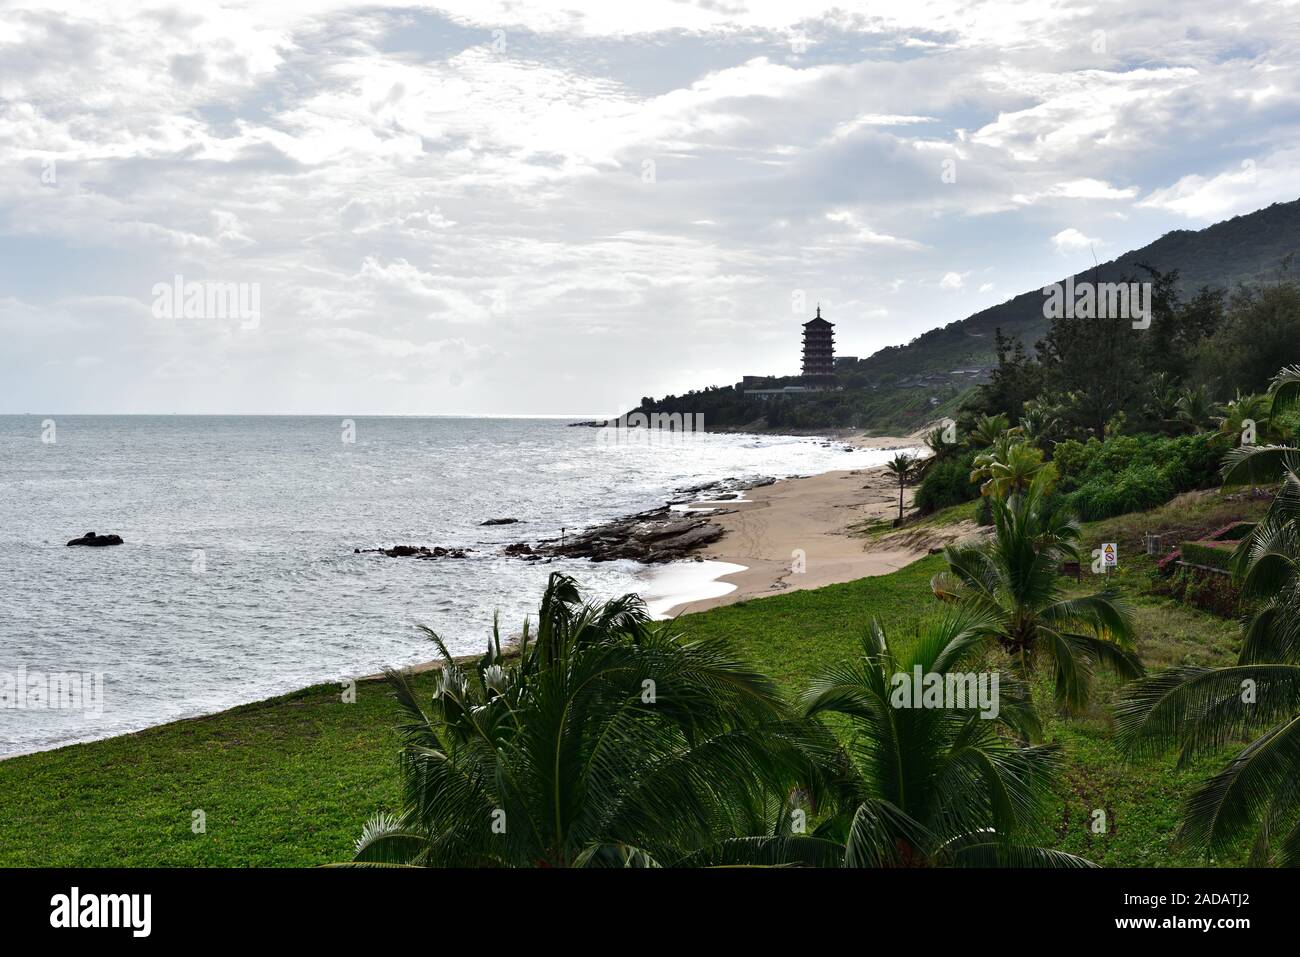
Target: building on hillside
column 818, row 350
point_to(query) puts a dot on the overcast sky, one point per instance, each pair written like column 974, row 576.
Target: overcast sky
column 526, row 207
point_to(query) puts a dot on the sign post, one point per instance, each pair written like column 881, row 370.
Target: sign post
column 1109, row 556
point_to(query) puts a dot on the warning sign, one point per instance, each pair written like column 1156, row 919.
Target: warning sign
column 1109, row 555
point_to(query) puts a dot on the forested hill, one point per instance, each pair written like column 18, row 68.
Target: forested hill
column 1247, row 249
column 902, row 387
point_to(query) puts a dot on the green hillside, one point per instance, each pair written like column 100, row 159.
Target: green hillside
column 1246, row 249
column 902, row 387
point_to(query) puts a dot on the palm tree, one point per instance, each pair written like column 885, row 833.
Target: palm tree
column 1014, row 579
column 612, row 741
column 1162, row 400
column 1256, row 796
column 1243, row 414
column 902, row 467
column 940, row 450
column 1010, row 466
column 1193, row 409
column 933, row 786
column 1039, row 422
column 987, row 429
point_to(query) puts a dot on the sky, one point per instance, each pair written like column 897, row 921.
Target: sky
column 481, row 207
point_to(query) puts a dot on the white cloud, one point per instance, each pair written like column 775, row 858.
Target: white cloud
column 418, row 206
column 1071, row 241
column 1250, row 185
column 860, row 233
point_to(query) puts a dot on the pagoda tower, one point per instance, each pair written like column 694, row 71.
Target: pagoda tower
column 818, row 348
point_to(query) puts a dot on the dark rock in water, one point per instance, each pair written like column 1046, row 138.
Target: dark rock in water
column 659, row 535
column 97, row 541
column 416, row 551
column 656, row 536
column 519, row 549
column 500, row 521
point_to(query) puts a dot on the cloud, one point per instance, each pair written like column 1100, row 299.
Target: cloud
column 1250, row 185
column 1071, row 241
column 860, row 233
column 421, row 203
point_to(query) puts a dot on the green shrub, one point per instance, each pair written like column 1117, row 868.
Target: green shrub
column 1206, row 590
column 947, row 483
column 1128, row 473
column 1205, row 553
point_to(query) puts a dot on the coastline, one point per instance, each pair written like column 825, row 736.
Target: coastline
column 809, row 532
column 731, row 541
column 753, row 527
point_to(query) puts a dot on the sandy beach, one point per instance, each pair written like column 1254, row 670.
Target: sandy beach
column 807, row 533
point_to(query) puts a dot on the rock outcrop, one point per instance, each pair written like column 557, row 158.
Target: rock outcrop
column 423, row 552
column 97, row 541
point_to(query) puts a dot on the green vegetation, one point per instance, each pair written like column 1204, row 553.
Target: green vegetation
column 903, row 468
column 1222, row 320
column 292, row 781
column 1015, row 579
column 1210, row 554
column 731, row 758
column 1253, row 800
column 1131, row 473
column 610, row 742
column 935, row 786
column 284, row 782
column 861, row 403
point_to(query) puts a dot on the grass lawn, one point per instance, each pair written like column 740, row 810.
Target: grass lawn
column 290, row 781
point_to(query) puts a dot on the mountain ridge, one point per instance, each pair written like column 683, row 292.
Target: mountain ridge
column 1248, row 248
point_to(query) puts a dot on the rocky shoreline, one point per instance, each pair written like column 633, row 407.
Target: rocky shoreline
column 672, row 532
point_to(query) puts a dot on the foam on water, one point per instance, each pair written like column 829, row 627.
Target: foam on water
column 238, row 578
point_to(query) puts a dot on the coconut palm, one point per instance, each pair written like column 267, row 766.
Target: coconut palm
column 902, row 466
column 1040, row 421
column 1243, row 415
column 934, row 786
column 987, row 429
column 1162, row 400
column 612, row 741
column 1010, row 466
column 1014, row 578
column 940, row 448
column 1193, row 409
column 1256, row 796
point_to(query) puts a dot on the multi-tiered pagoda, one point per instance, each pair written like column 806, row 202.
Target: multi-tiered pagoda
column 818, row 350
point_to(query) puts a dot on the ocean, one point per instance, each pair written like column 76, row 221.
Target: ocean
column 238, row 578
